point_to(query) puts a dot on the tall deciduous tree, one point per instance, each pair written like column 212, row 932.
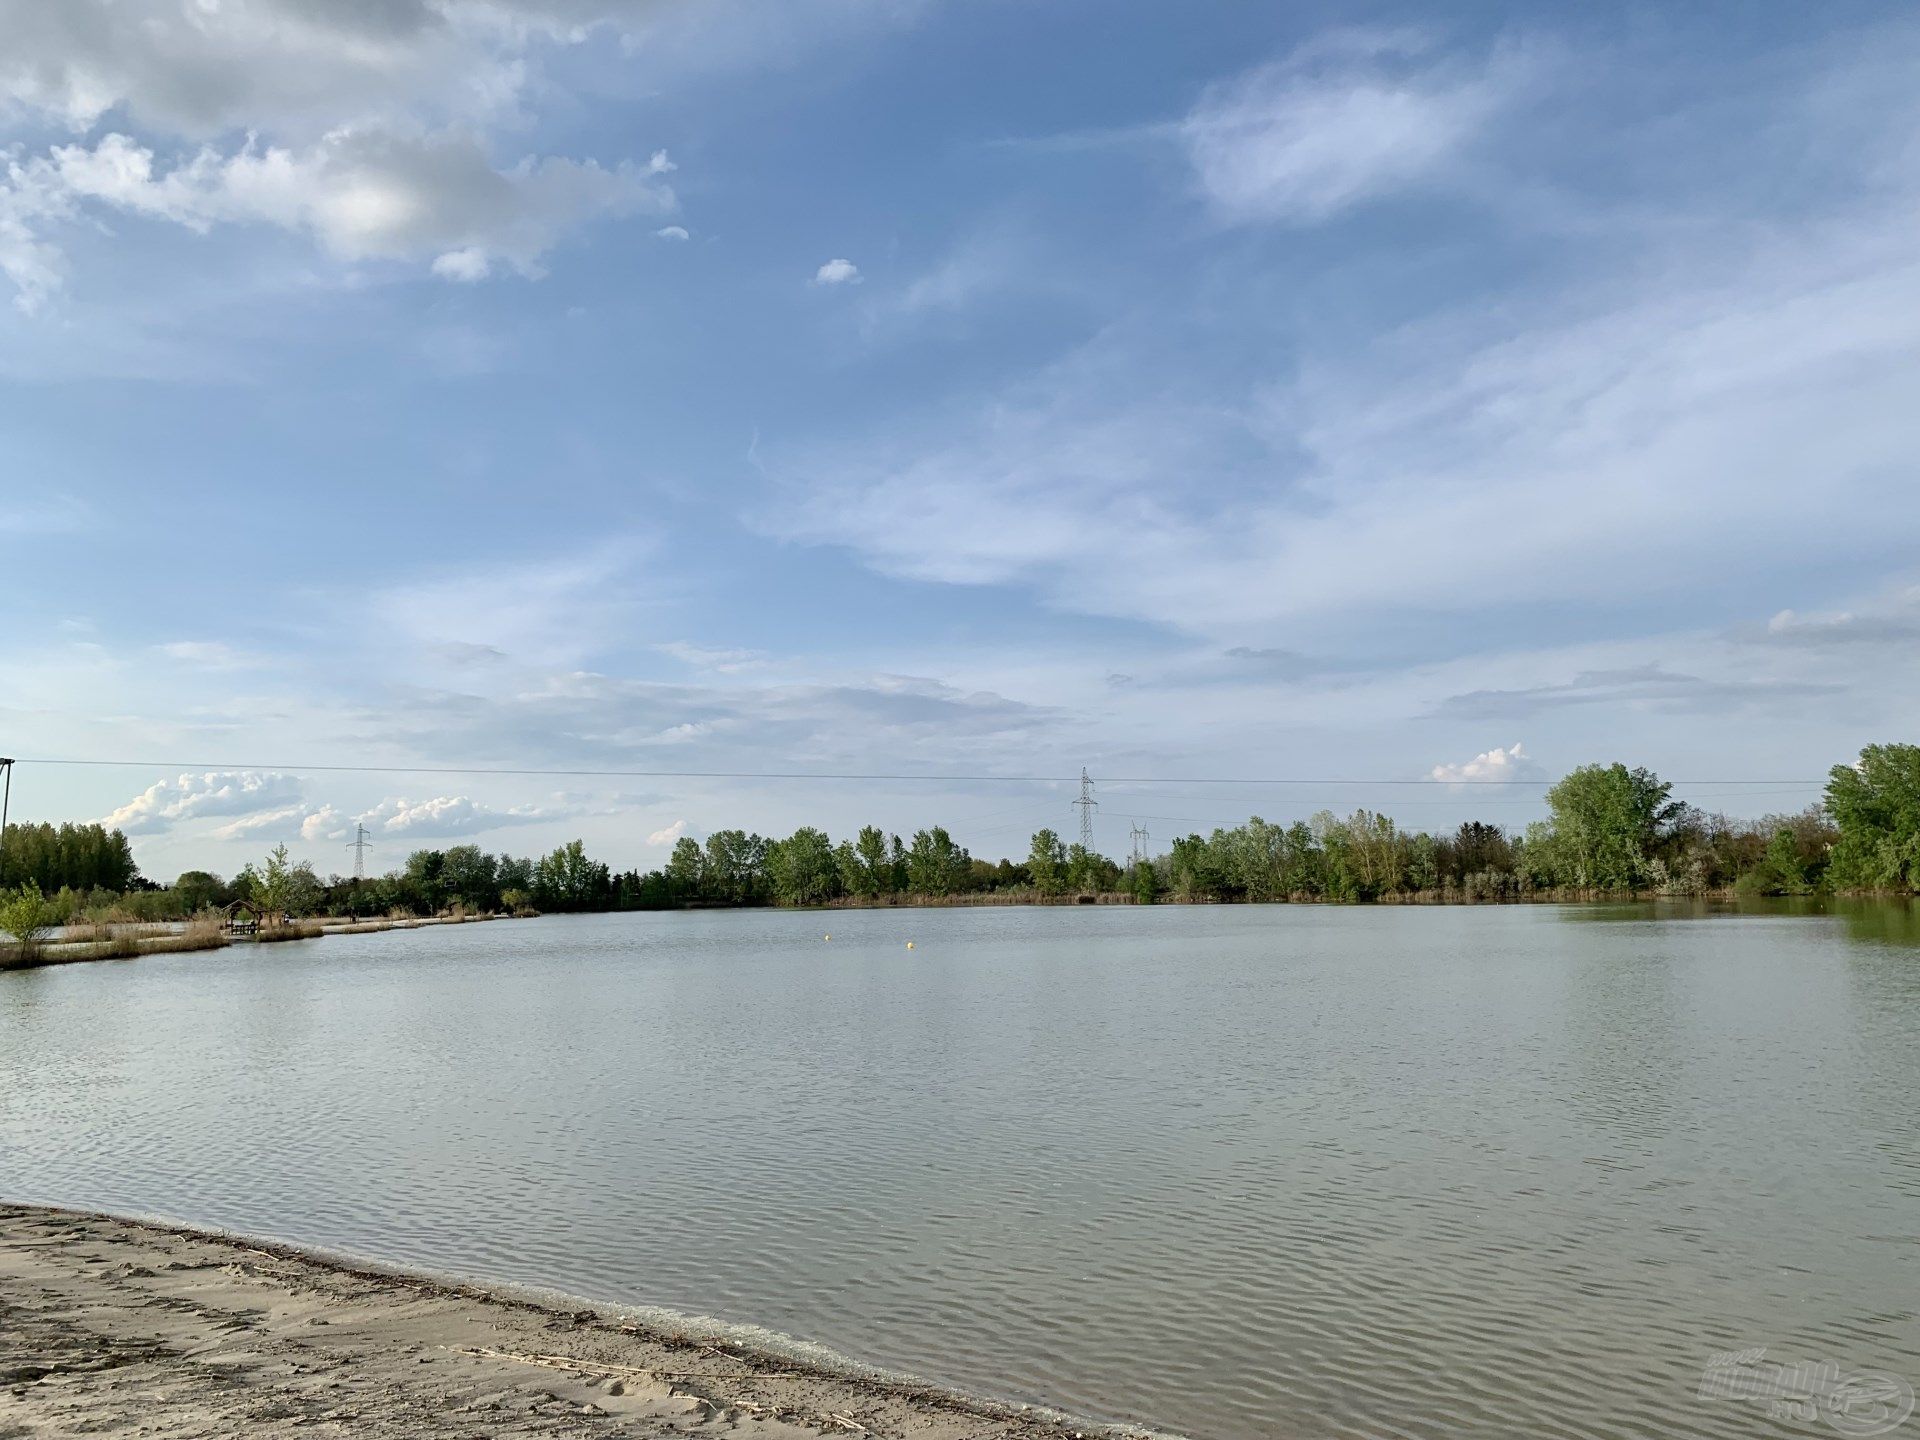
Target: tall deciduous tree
column 1875, row 802
column 1047, row 863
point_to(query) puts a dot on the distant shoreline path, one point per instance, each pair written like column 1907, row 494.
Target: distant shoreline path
column 114, row 1326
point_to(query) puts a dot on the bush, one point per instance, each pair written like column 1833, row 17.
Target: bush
column 28, row 916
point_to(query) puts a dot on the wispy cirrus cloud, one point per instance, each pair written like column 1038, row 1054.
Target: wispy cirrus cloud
column 1349, row 117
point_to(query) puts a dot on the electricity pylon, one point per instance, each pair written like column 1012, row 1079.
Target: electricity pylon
column 359, row 848
column 1087, row 805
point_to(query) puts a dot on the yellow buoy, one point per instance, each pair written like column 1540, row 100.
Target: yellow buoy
column 826, row 937
column 909, row 944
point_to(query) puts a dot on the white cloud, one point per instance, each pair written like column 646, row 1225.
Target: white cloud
column 669, row 835
column 1697, row 395
column 363, row 195
column 1512, row 763
column 465, row 266
column 202, row 68
column 448, row 815
column 206, row 654
column 837, row 272
column 283, row 823
column 672, row 232
column 1346, row 119
column 212, row 793
column 719, row 659
column 326, row 823
column 368, row 128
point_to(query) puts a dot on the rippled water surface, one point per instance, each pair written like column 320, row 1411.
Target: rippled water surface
column 1234, row 1172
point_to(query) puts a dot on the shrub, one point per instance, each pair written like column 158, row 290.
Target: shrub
column 28, row 916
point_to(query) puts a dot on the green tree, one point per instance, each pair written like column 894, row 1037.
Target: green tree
column 469, row 875
column 568, row 879
column 28, row 916
column 736, row 867
column 198, row 890
column 273, row 890
column 1090, row 872
column 687, row 869
column 1146, row 883
column 801, row 868
column 1047, row 863
column 1606, row 823
column 876, row 863
column 1875, row 805
column 424, row 881
column 935, row 865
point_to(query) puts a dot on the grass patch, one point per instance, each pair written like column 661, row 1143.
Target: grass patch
column 290, row 930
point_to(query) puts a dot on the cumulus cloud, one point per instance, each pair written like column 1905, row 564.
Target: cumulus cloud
column 1346, row 119
column 326, row 823
column 669, row 835
column 448, row 815
column 837, row 272
column 368, row 128
column 672, row 232
column 166, row 803
column 1512, row 763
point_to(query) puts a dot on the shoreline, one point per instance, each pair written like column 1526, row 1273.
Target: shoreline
column 135, row 946
column 119, row 1323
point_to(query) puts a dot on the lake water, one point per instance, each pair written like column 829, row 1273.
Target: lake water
column 1229, row 1171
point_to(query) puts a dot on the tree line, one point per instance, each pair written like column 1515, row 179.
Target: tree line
column 1609, row 830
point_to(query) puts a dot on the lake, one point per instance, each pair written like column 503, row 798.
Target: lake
column 1230, row 1171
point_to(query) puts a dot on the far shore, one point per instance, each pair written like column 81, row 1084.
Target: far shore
column 122, row 1326
column 77, row 944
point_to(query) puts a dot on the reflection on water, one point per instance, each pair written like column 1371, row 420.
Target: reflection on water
column 1236, row 1171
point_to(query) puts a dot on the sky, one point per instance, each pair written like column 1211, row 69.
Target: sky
column 397, row 391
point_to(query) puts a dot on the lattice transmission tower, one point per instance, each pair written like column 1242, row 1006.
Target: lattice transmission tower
column 1086, row 804
column 359, row 848
column 1139, row 836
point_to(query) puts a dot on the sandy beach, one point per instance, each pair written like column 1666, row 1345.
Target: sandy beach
column 114, row 1327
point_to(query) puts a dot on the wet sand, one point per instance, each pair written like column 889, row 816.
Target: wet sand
column 115, row 1327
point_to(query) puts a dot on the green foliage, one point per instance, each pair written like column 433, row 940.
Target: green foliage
column 67, row 857
column 1047, row 863
column 935, row 865
column 1875, row 805
column 568, row 880
column 687, row 869
column 1608, row 823
column 1146, row 884
column 199, row 890
column 801, row 868
column 281, row 886
column 28, row 916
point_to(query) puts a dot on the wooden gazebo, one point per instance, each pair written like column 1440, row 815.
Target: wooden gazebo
column 243, row 917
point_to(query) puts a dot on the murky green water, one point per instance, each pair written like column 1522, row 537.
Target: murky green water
column 1238, row 1172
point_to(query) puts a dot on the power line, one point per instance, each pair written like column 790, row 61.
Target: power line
column 904, row 777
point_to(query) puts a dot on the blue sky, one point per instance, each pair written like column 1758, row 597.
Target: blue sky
column 1353, row 392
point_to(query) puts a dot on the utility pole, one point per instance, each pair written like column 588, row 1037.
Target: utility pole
column 1139, row 836
column 6, row 799
column 359, row 848
column 1086, row 805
